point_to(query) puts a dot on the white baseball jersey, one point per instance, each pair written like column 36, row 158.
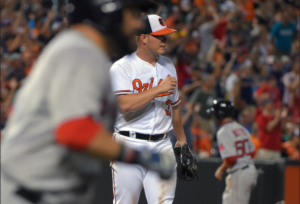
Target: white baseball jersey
column 131, row 75
column 69, row 81
column 235, row 141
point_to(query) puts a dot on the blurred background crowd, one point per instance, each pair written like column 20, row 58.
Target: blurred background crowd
column 244, row 50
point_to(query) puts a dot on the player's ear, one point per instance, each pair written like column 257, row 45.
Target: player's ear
column 144, row 39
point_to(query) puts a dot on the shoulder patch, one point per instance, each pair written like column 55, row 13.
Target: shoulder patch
column 221, row 148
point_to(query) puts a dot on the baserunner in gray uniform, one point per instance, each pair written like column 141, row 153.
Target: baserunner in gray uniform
column 64, row 112
column 236, row 149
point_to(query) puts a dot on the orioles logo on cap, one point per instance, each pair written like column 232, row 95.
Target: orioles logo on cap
column 161, row 22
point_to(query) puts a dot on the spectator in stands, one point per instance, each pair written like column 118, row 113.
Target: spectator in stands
column 232, row 38
column 296, row 44
column 206, row 30
column 277, row 70
column 247, row 7
column 246, row 118
column 16, row 69
column 232, row 84
column 288, row 129
column 238, row 37
column 259, row 38
column 295, row 109
column 255, row 139
column 269, row 131
column 227, row 12
column 247, row 82
column 8, row 92
column 194, row 82
column 53, row 24
column 234, row 87
column 268, row 89
column 291, row 84
column 4, row 93
column 203, row 145
column 292, row 147
column 186, row 119
column 183, row 69
column 202, row 100
column 283, row 33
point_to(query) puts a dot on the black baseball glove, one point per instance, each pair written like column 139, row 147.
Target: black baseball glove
column 186, row 163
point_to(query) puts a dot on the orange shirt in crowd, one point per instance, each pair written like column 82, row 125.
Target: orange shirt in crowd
column 256, row 143
column 292, row 151
column 248, row 8
column 202, row 140
column 296, row 110
column 176, row 1
column 199, row 2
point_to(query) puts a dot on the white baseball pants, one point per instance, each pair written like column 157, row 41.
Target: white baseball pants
column 128, row 180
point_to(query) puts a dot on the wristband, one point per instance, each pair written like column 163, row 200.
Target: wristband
column 128, row 155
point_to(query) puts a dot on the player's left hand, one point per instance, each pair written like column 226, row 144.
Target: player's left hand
column 180, row 143
column 186, row 163
column 219, row 174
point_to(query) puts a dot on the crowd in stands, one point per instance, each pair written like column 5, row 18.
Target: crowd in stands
column 244, row 50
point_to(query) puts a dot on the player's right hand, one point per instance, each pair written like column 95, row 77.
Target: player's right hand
column 168, row 84
column 159, row 162
column 219, row 174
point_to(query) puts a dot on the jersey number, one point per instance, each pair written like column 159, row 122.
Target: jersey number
column 240, row 147
column 168, row 103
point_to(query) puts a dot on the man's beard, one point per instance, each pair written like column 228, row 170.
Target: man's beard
column 120, row 45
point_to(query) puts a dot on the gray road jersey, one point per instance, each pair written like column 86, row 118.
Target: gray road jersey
column 235, row 141
column 70, row 80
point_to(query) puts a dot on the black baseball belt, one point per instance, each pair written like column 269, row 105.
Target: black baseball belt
column 29, row 195
column 144, row 136
column 35, row 196
column 245, row 167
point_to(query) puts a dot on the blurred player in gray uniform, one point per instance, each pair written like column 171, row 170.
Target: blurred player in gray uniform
column 236, row 150
column 64, row 112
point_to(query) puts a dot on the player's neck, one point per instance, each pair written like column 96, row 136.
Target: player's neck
column 226, row 120
column 147, row 56
column 98, row 38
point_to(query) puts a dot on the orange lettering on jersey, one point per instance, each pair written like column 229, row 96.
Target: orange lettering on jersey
column 160, row 81
column 145, row 87
column 168, row 103
column 137, row 85
column 140, row 87
column 151, row 83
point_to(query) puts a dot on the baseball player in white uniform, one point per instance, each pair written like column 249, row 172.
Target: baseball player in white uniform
column 65, row 110
column 147, row 94
column 236, row 150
